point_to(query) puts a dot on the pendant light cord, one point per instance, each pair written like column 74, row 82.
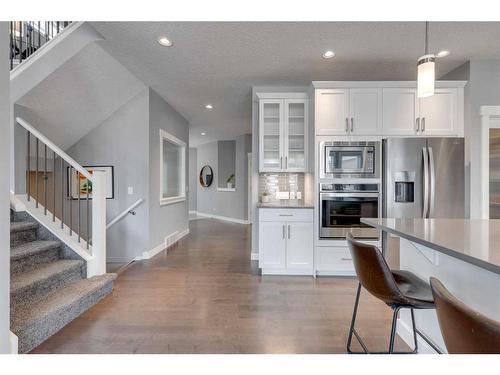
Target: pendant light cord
column 426, row 37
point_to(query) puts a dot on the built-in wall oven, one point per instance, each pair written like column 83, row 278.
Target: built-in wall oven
column 350, row 159
column 343, row 205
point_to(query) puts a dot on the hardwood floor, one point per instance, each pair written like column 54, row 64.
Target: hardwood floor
column 205, row 296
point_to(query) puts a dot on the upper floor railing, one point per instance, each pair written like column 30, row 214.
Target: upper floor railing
column 69, row 195
column 26, row 37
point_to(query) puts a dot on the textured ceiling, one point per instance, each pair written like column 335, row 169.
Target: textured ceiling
column 80, row 95
column 219, row 62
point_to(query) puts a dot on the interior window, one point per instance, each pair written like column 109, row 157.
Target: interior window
column 172, row 169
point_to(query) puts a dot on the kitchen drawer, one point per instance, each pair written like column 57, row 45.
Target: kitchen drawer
column 286, row 214
column 334, row 259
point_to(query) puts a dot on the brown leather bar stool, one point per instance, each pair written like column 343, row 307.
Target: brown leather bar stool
column 398, row 289
column 464, row 330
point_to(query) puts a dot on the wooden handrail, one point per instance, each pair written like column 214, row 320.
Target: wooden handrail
column 54, row 148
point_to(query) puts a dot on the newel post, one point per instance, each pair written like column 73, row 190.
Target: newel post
column 98, row 266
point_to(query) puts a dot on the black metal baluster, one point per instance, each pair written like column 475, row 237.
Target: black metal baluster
column 39, row 35
column 79, row 205
column 62, row 193
column 36, row 176
column 20, row 42
column 88, row 214
column 70, row 182
column 12, row 47
column 45, row 182
column 54, row 187
column 28, row 164
column 57, row 24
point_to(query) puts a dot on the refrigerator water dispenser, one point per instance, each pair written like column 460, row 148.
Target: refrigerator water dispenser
column 404, row 189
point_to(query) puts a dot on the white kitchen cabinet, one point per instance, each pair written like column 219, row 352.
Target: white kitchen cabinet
column 438, row 113
column 283, row 127
column 388, row 109
column 365, row 111
column 299, row 246
column 274, row 256
column 332, row 112
column 400, row 111
column 286, row 241
column 355, row 111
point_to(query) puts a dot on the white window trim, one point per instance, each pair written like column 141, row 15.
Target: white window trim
column 180, row 198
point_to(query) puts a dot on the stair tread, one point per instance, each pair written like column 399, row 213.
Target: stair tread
column 18, row 226
column 43, row 272
column 32, row 248
column 57, row 301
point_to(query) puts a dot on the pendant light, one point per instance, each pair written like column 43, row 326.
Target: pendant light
column 426, row 70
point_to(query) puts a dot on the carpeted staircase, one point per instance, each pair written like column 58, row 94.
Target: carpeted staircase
column 48, row 288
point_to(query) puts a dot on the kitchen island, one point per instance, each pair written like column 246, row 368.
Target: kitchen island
column 463, row 253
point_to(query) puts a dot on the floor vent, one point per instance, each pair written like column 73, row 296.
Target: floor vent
column 171, row 239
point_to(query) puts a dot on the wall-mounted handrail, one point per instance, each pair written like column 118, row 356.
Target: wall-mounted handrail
column 53, row 147
column 124, row 213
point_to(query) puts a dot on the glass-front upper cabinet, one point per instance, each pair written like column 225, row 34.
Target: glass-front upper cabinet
column 283, row 134
column 296, row 135
column 271, row 145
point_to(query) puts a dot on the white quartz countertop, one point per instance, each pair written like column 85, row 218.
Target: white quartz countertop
column 474, row 241
column 286, row 203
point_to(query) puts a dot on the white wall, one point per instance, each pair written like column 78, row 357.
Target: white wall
column 4, row 191
column 193, row 179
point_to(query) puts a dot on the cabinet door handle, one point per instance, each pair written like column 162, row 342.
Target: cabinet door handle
column 352, row 124
column 288, row 231
column 346, row 125
column 285, row 214
column 346, row 258
column 281, row 162
column 423, row 124
column 286, row 162
column 417, row 124
column 283, row 231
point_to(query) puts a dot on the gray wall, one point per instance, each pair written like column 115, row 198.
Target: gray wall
column 482, row 89
column 193, row 179
column 122, row 141
column 164, row 220
column 4, row 191
column 221, row 203
column 226, row 162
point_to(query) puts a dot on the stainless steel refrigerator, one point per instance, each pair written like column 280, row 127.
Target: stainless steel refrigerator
column 423, row 178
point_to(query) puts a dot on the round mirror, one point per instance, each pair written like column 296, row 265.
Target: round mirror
column 206, row 176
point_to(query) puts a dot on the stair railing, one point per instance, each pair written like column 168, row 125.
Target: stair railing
column 27, row 37
column 77, row 185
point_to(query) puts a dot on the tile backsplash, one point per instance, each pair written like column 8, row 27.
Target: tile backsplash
column 274, row 183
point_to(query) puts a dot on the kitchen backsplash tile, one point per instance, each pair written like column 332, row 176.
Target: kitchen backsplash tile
column 281, row 182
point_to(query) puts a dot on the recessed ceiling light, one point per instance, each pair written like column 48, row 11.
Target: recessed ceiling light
column 443, row 53
column 209, row 106
column 328, row 54
column 203, row 133
column 165, row 42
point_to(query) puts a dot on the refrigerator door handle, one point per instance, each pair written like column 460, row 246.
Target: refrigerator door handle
column 432, row 176
column 417, row 124
column 426, row 182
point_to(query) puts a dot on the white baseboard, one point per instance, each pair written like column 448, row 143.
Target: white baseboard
column 254, row 256
column 13, row 341
column 192, row 212
column 223, row 218
column 175, row 237
column 406, row 334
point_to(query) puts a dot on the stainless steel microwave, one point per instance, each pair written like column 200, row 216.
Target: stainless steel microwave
column 350, row 159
